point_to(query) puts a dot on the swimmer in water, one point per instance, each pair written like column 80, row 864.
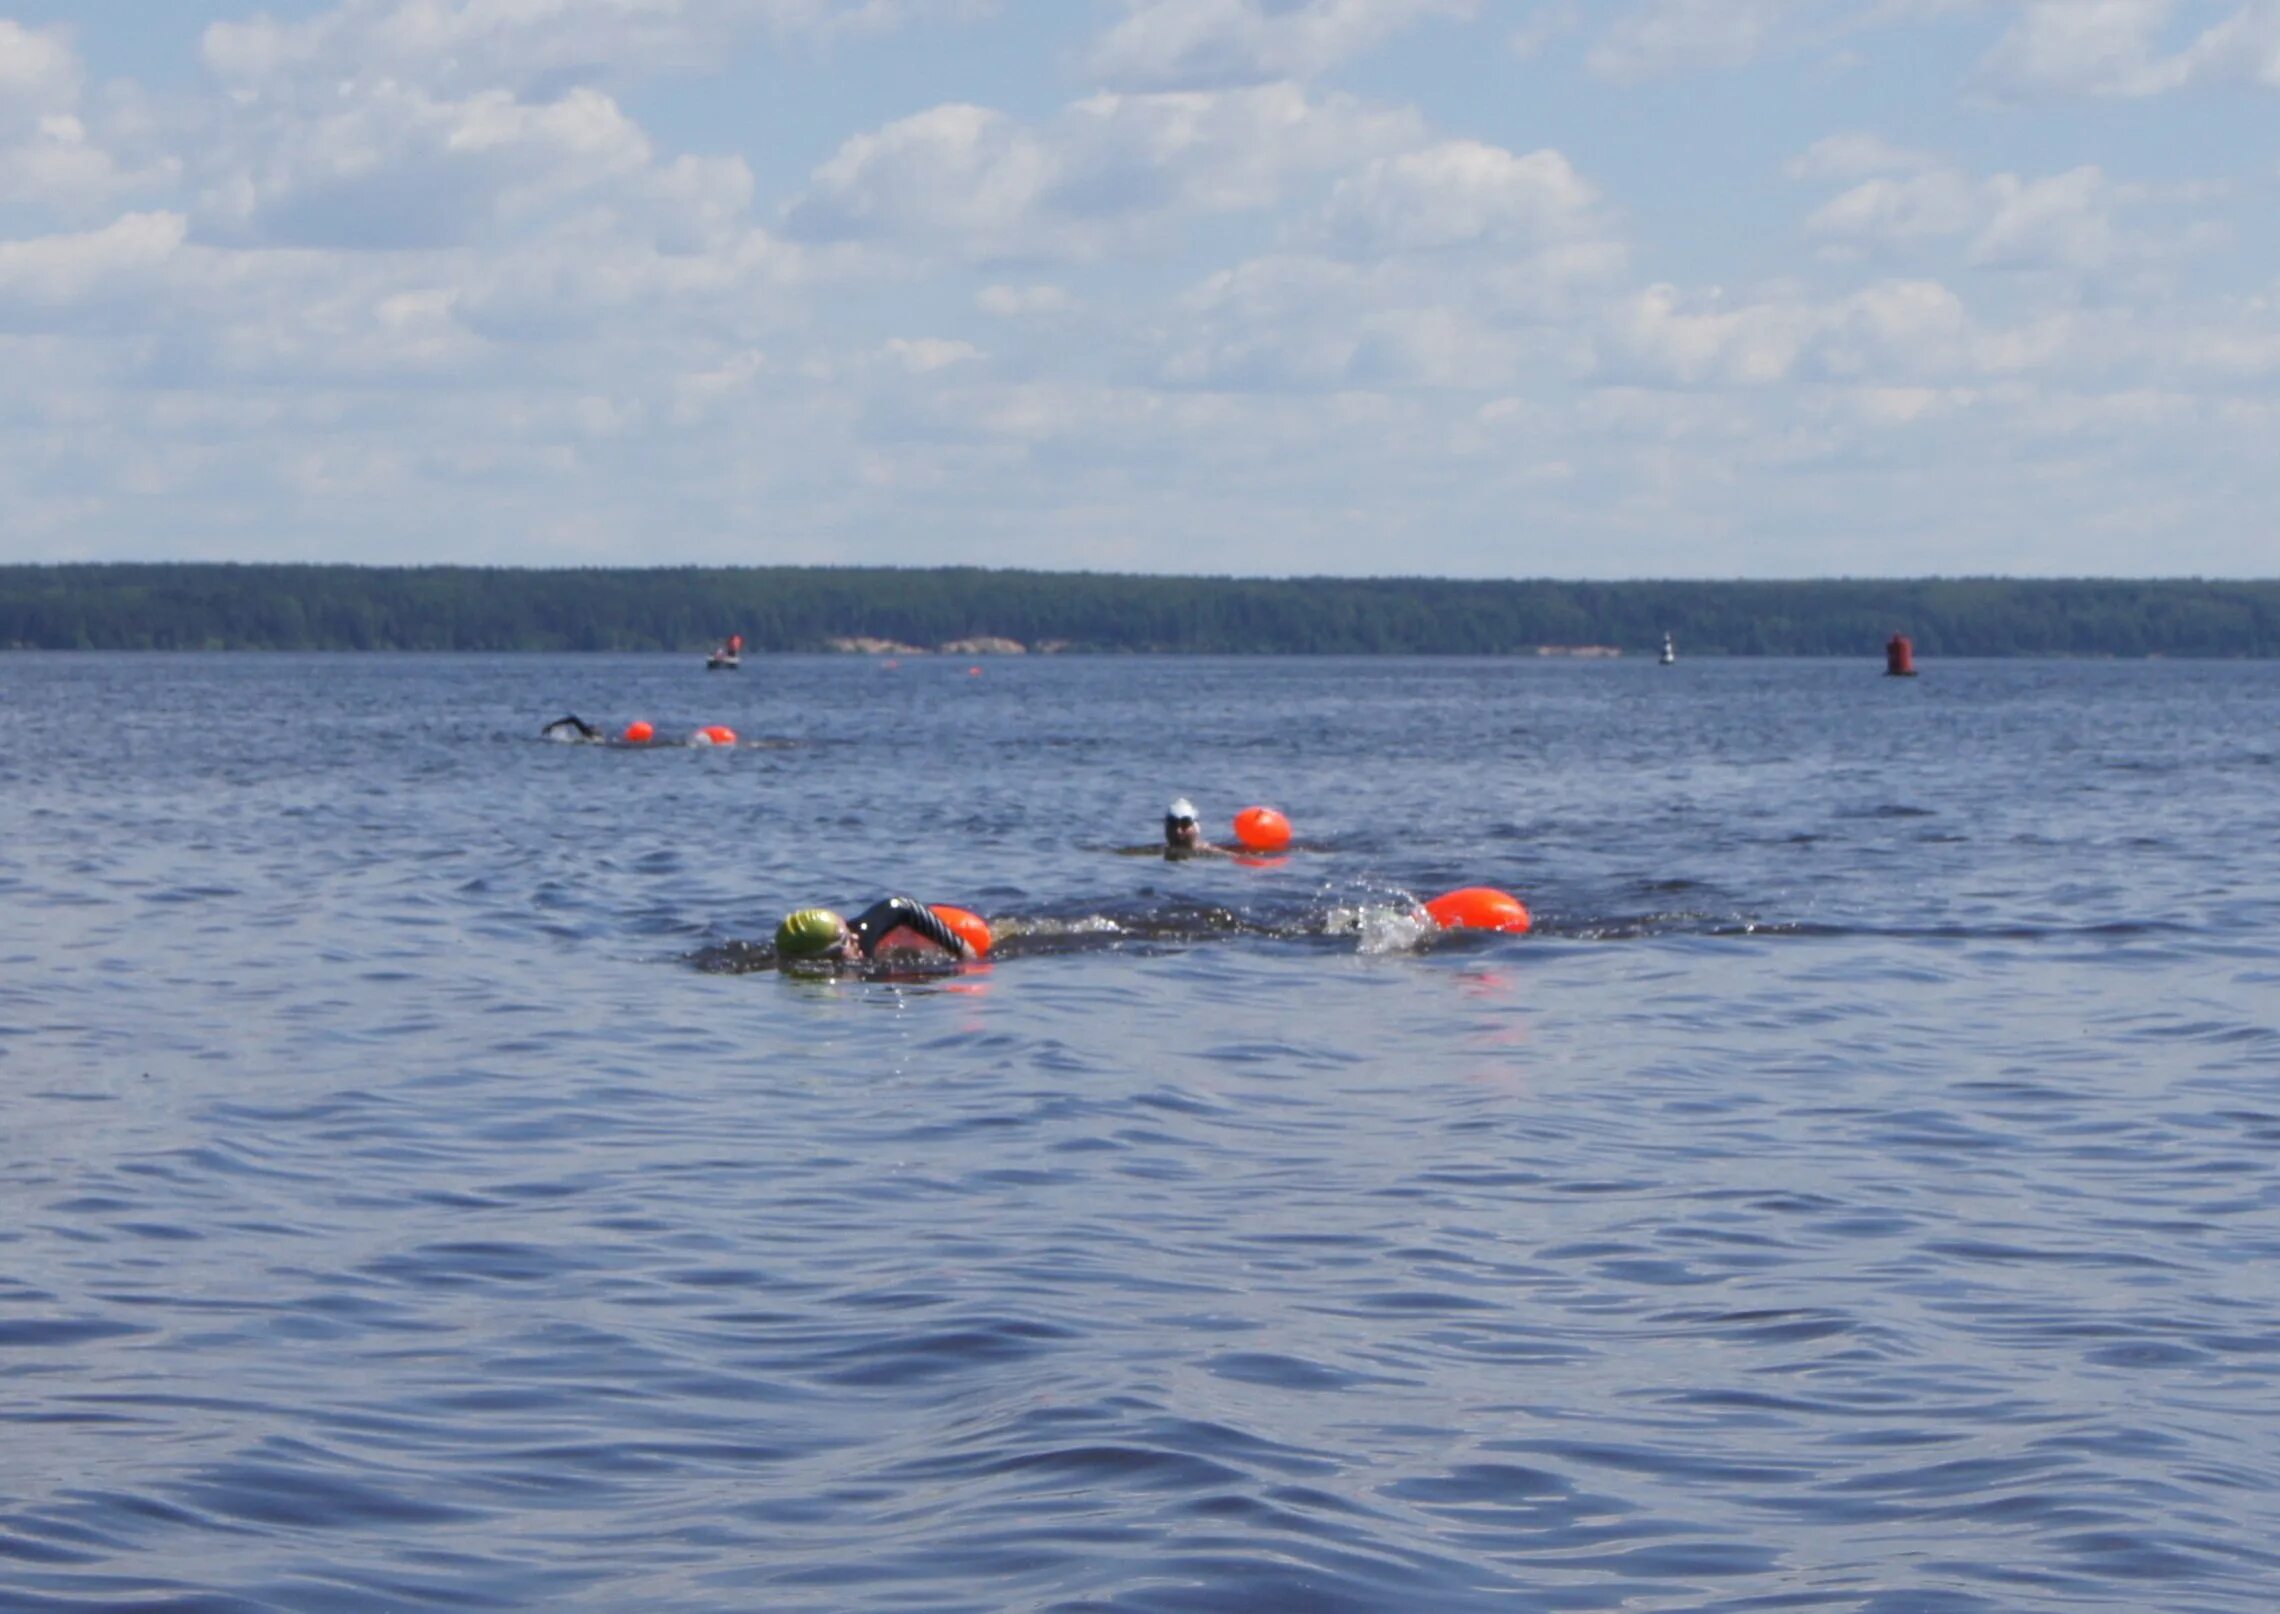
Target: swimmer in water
column 570, row 727
column 1183, row 836
column 819, row 936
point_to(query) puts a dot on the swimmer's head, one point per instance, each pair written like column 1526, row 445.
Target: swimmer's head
column 1180, row 827
column 810, row 933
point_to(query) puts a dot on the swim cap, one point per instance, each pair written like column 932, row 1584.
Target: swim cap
column 1180, row 812
column 810, row 933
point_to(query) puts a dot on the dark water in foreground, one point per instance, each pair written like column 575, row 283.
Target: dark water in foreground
column 1860, row 1194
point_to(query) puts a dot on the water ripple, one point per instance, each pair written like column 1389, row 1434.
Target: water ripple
column 1854, row 1197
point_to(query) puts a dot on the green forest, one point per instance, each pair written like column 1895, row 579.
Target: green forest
column 295, row 607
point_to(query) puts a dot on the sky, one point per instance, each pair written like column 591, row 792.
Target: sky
column 1469, row 288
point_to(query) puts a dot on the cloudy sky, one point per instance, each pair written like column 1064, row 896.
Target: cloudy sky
column 1577, row 288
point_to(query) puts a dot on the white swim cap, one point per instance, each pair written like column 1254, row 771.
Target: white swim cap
column 1181, row 811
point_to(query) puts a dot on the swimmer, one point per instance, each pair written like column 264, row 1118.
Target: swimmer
column 1183, row 836
column 819, row 936
column 570, row 727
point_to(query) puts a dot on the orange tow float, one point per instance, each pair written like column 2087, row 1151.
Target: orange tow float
column 971, row 927
column 1262, row 829
column 1480, row 907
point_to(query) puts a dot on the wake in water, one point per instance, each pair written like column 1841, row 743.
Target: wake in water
column 1386, row 920
column 1362, row 918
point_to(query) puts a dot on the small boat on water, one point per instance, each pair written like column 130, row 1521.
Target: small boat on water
column 727, row 656
column 1669, row 656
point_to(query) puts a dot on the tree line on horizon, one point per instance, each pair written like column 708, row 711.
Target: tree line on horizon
column 200, row 606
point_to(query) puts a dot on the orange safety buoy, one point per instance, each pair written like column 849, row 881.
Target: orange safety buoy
column 638, row 732
column 1480, row 907
column 714, row 734
column 1262, row 829
column 971, row 927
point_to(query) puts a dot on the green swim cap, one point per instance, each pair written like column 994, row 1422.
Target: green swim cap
column 810, row 933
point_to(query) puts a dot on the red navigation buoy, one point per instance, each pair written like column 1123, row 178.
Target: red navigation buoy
column 1480, row 907
column 1262, row 829
column 1899, row 657
column 639, row 732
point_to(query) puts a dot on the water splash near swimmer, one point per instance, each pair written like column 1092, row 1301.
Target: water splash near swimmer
column 1383, row 919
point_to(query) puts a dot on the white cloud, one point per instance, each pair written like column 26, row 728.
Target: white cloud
column 1855, row 156
column 1900, row 211
column 1303, row 322
column 2101, row 48
column 1461, row 193
column 702, row 393
column 460, row 44
column 39, row 73
column 923, row 355
column 2069, row 223
column 1668, row 36
column 1163, row 44
column 1020, row 302
column 2245, row 48
column 2063, row 222
column 56, row 270
column 2122, row 49
column 2088, row 47
column 57, row 162
column 49, row 157
column 393, row 167
column 970, row 183
column 965, row 173
column 1892, row 329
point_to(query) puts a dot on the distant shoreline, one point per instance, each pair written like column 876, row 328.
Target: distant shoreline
column 966, row 611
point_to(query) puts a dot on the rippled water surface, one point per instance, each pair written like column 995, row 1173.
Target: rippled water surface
column 1858, row 1194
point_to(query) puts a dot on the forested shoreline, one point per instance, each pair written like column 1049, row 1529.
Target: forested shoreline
column 296, row 607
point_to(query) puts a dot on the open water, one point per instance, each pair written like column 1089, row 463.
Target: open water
column 1861, row 1193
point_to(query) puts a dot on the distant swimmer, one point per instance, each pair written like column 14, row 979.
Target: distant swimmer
column 819, row 936
column 570, row 727
column 1183, row 836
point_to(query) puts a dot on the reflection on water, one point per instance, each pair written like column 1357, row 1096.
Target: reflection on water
column 1851, row 1197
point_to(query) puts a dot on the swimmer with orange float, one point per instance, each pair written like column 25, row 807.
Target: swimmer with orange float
column 1183, row 835
column 575, row 730
column 890, row 925
column 1257, row 829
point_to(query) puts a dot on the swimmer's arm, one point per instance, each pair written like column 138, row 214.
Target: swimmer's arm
column 875, row 923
